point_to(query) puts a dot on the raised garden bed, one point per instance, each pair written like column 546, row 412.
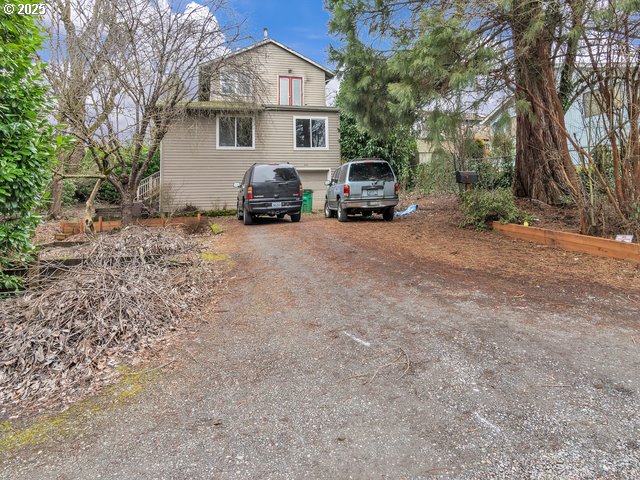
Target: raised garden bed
column 601, row 247
column 73, row 228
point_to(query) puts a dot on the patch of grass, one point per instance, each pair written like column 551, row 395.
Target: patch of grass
column 60, row 426
column 214, row 257
column 216, row 229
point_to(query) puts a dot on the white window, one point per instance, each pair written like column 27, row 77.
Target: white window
column 235, row 84
column 290, row 90
column 236, row 132
column 310, row 132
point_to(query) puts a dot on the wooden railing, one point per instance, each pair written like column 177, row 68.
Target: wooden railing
column 148, row 187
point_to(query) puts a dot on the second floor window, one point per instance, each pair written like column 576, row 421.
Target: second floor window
column 235, row 84
column 290, row 90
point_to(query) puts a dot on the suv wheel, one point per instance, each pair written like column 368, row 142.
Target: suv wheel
column 342, row 212
column 295, row 217
column 247, row 218
column 388, row 214
column 328, row 213
column 238, row 212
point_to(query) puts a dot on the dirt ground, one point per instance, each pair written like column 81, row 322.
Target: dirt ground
column 433, row 234
column 367, row 349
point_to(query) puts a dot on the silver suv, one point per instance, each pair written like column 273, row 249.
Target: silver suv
column 364, row 186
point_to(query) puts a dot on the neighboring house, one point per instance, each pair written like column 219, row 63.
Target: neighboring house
column 283, row 119
column 469, row 128
column 503, row 116
column 583, row 121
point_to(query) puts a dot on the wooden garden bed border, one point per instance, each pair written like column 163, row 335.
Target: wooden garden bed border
column 602, row 247
column 107, row 225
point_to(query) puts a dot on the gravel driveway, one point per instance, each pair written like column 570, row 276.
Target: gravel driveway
column 335, row 361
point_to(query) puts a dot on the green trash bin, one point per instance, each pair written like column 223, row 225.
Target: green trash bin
column 307, row 201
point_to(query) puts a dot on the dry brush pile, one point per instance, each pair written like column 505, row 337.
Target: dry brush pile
column 132, row 287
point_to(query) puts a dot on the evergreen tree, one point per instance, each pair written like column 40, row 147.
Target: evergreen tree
column 397, row 146
column 399, row 58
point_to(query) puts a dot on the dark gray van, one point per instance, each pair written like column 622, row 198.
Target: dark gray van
column 363, row 186
column 272, row 189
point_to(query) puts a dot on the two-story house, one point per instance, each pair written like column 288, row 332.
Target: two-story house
column 284, row 119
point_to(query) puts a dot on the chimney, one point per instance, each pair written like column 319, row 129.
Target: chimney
column 265, row 32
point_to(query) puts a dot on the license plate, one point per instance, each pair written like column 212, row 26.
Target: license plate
column 372, row 193
column 374, row 204
column 276, row 205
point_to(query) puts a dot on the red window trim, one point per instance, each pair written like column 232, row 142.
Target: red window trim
column 291, row 78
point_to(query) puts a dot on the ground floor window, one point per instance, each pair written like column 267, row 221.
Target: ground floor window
column 310, row 132
column 236, row 132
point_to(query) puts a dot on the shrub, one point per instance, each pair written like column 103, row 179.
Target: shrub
column 482, row 206
column 437, row 176
column 107, row 193
column 68, row 192
column 27, row 144
column 84, row 186
column 494, row 172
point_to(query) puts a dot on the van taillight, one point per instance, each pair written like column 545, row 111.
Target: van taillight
column 300, row 190
column 249, row 193
column 347, row 190
column 395, row 188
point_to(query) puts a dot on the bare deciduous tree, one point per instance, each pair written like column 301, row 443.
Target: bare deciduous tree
column 124, row 70
column 608, row 80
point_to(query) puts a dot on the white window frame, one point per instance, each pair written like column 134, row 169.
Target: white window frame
column 326, row 133
column 234, row 78
column 253, row 133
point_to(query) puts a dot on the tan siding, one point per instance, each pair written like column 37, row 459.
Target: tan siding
column 194, row 172
column 273, row 61
column 314, row 180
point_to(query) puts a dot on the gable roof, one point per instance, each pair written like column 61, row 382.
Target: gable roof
column 504, row 104
column 329, row 74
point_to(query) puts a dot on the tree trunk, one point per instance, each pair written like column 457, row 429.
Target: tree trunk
column 89, row 207
column 543, row 169
column 126, row 206
column 55, row 207
column 68, row 166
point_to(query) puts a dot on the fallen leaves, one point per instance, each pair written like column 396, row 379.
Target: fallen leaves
column 130, row 289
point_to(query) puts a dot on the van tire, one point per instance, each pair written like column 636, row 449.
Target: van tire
column 388, row 214
column 295, row 217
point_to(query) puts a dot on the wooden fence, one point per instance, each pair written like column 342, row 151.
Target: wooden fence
column 602, row 247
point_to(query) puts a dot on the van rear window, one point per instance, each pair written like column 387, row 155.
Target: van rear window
column 274, row 173
column 362, row 172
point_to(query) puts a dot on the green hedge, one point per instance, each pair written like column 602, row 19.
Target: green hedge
column 480, row 207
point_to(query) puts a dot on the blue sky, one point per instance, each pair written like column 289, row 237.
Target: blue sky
column 301, row 24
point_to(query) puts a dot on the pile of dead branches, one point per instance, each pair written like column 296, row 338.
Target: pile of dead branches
column 131, row 288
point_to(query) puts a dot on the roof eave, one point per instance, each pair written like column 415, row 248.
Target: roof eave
column 329, row 74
